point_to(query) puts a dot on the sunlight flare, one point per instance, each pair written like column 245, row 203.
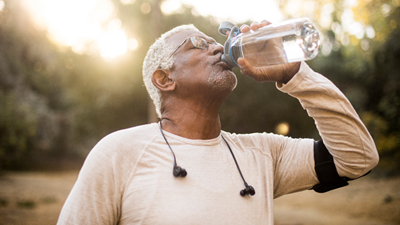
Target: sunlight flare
column 85, row 26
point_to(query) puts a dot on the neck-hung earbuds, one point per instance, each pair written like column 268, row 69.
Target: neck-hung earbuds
column 177, row 171
column 249, row 190
column 180, row 172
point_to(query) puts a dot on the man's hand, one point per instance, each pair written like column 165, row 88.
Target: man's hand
column 277, row 73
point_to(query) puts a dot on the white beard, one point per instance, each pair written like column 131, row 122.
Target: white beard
column 225, row 80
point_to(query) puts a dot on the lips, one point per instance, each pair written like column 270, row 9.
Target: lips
column 223, row 64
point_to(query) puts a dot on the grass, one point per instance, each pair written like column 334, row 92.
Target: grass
column 3, row 203
column 29, row 204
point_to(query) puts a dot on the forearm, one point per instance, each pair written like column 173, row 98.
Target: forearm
column 344, row 134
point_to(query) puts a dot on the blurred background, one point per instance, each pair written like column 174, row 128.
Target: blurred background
column 71, row 72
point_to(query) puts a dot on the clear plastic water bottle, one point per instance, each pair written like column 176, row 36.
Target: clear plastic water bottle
column 289, row 41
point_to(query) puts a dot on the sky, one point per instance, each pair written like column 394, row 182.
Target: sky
column 79, row 23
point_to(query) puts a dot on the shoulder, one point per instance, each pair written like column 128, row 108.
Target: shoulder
column 270, row 142
column 125, row 143
column 256, row 138
column 130, row 135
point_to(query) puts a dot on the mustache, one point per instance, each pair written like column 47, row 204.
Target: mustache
column 216, row 59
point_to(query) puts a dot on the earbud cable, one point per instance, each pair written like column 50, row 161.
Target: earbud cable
column 159, row 124
column 237, row 165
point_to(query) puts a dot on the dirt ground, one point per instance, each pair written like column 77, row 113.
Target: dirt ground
column 36, row 198
column 366, row 201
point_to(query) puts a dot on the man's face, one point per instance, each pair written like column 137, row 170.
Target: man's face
column 200, row 69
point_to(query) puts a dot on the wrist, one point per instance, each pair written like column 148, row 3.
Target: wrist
column 293, row 69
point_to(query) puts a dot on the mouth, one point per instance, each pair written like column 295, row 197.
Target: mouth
column 223, row 64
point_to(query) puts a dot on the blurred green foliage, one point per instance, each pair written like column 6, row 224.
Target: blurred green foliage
column 55, row 104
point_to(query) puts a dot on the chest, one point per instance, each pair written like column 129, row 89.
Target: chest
column 209, row 194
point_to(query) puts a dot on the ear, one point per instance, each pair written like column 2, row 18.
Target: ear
column 162, row 80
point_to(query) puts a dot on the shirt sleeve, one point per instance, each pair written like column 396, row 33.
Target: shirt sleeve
column 338, row 124
column 294, row 165
column 96, row 195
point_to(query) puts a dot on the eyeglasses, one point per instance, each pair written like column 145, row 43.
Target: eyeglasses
column 198, row 42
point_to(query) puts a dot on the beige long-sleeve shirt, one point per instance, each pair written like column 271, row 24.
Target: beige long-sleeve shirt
column 127, row 177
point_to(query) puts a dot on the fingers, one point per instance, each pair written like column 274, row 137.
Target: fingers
column 264, row 23
column 245, row 28
column 254, row 26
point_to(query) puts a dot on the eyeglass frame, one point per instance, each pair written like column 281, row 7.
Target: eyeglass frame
column 184, row 41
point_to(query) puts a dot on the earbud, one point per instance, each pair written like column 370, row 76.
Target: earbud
column 249, row 190
column 179, row 171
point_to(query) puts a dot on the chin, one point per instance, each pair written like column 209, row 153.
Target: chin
column 225, row 80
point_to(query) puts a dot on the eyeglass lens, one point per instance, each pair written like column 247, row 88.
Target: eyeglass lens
column 198, row 42
column 201, row 43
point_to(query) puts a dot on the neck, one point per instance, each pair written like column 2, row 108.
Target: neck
column 192, row 124
column 193, row 114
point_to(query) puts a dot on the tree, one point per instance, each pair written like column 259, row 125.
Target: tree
column 360, row 53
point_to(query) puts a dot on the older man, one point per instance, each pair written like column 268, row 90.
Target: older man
column 136, row 175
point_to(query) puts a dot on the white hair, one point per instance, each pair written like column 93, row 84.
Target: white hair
column 157, row 57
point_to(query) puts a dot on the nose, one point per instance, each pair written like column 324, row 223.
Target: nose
column 217, row 49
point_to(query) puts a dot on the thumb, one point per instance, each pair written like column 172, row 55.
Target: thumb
column 247, row 70
column 245, row 67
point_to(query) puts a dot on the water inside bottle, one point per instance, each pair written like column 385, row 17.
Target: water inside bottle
column 292, row 46
column 303, row 46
